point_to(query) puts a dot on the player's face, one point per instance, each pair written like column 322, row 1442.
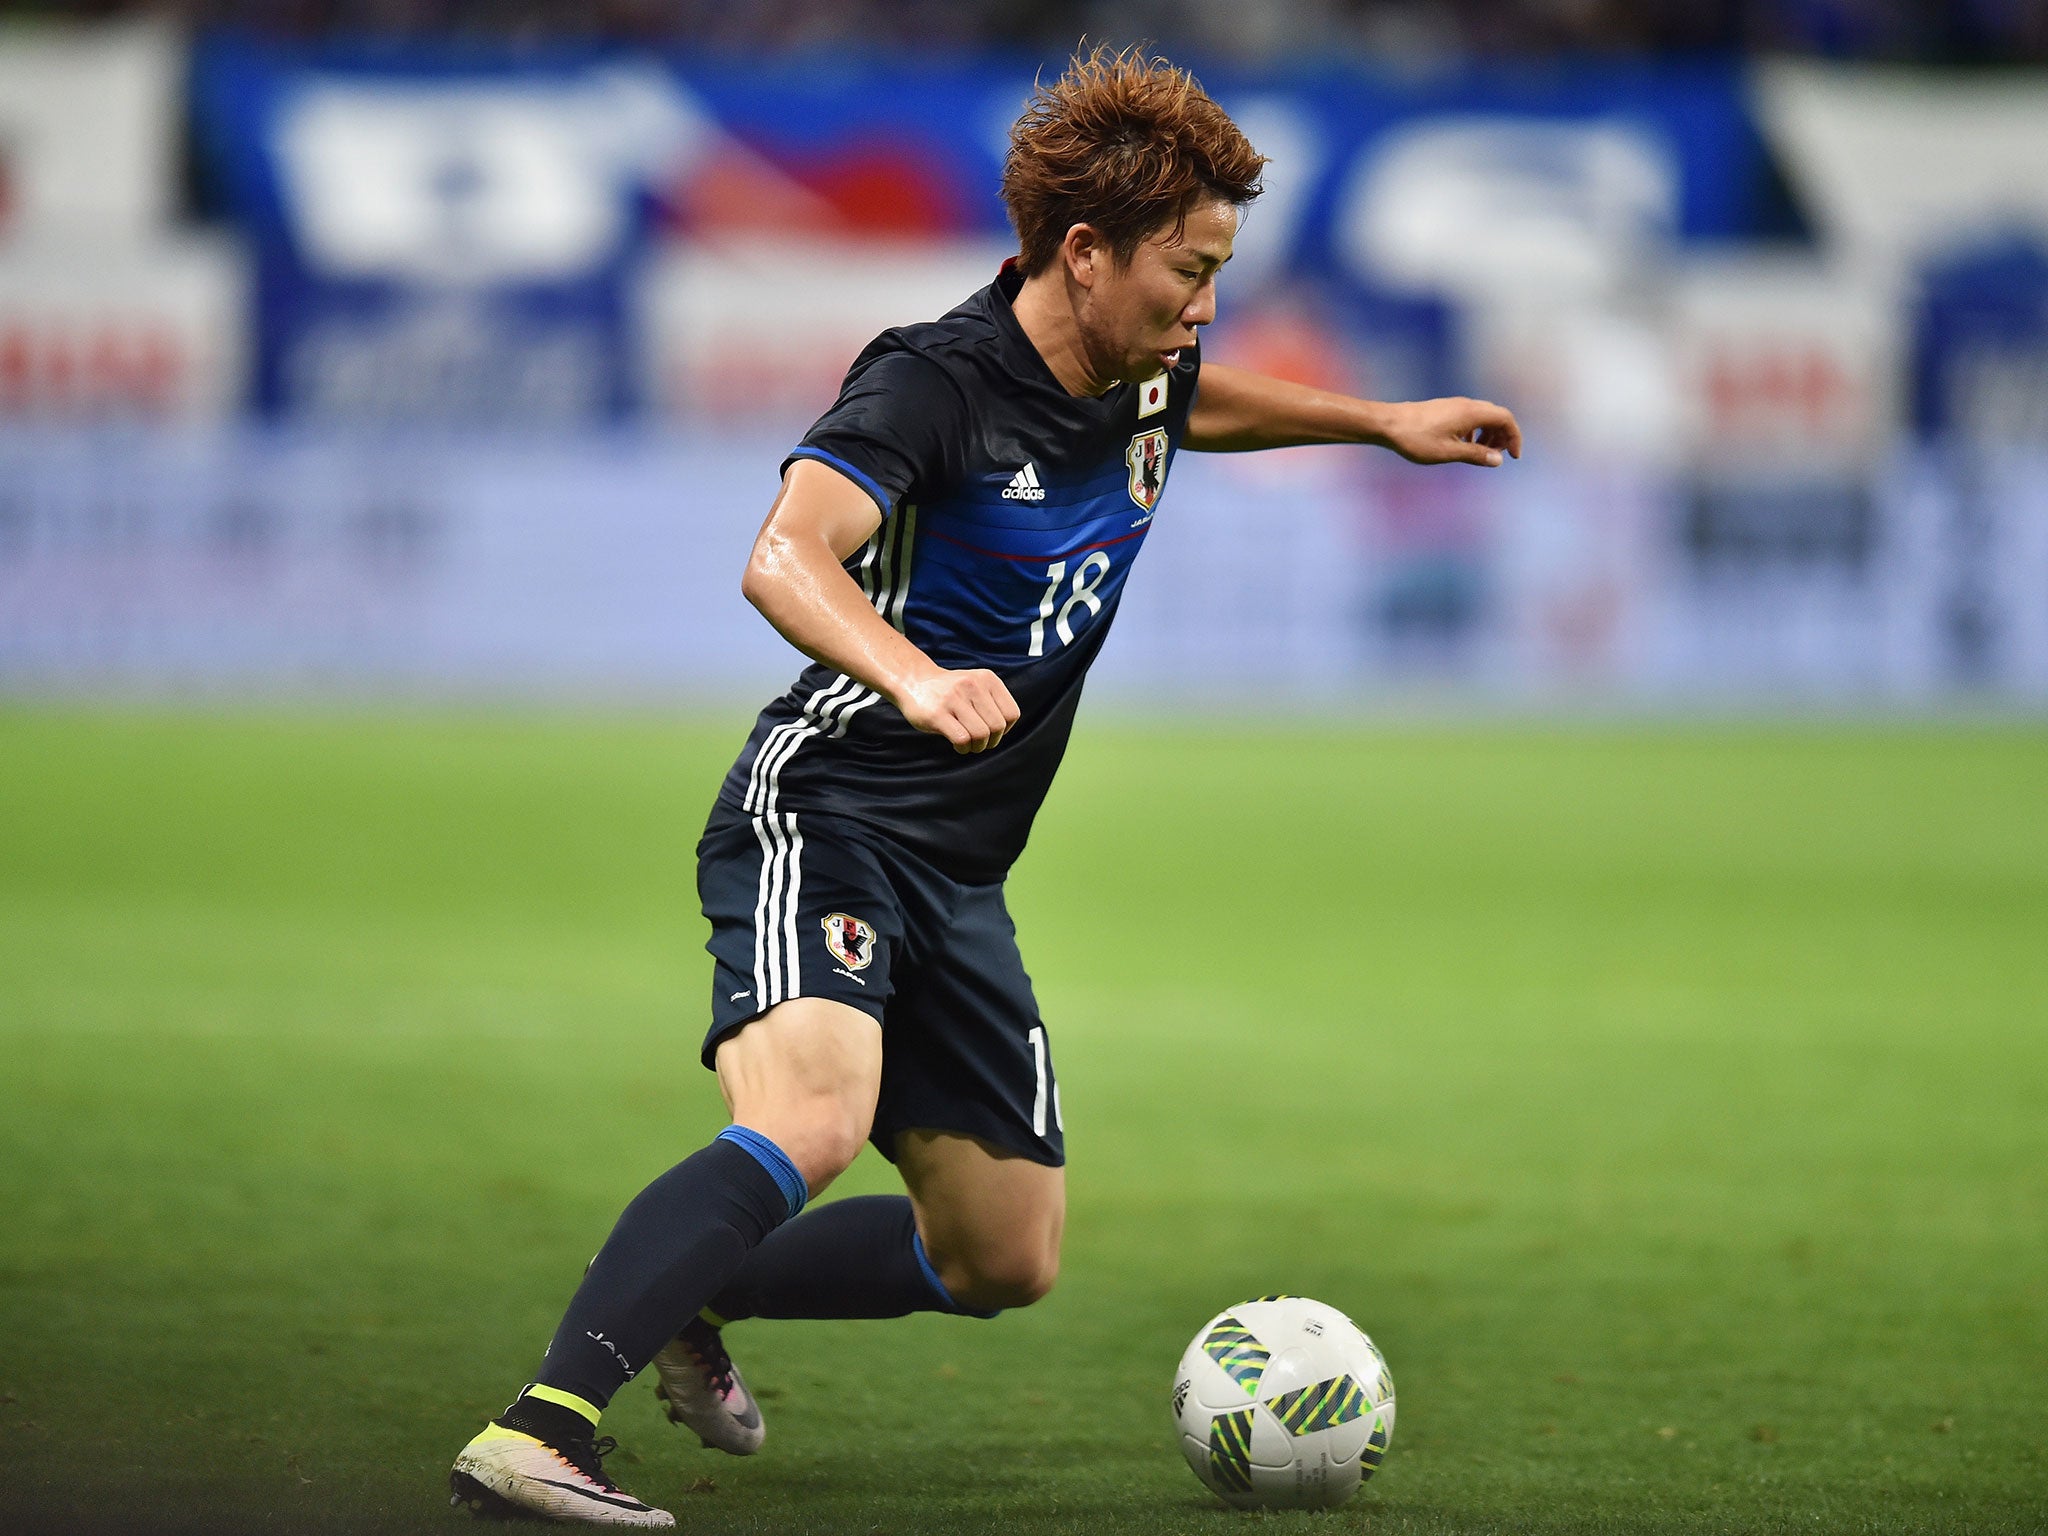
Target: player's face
column 1144, row 312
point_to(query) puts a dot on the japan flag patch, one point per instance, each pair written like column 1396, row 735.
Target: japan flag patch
column 1152, row 397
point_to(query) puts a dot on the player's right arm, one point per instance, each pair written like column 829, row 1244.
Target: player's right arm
column 797, row 577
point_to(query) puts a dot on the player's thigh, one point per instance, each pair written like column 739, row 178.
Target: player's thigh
column 991, row 1219
column 806, row 1075
column 805, row 925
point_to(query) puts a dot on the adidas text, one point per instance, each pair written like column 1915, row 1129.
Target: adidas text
column 1024, row 485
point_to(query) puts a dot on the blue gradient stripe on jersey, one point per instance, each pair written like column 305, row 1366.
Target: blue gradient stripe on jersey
column 1037, row 557
column 1103, row 526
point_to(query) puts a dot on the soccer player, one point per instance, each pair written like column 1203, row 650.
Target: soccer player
column 949, row 547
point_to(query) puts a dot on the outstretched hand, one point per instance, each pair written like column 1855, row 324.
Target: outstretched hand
column 1453, row 431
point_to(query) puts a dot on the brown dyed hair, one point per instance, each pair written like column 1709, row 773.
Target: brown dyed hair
column 1123, row 142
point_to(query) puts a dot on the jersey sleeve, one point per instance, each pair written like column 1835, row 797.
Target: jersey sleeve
column 897, row 429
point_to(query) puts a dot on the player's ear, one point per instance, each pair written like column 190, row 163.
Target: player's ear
column 1084, row 253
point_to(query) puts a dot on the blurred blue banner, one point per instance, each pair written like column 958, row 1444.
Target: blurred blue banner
column 437, row 238
column 449, row 235
column 1981, row 359
column 934, row 135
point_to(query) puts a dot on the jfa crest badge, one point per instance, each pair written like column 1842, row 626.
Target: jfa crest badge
column 851, row 941
column 1147, row 458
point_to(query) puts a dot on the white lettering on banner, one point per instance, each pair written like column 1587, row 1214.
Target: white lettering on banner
column 446, row 358
column 1892, row 170
column 462, row 181
column 1475, row 206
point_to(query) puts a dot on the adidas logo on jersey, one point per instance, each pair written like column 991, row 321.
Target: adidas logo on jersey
column 1024, row 485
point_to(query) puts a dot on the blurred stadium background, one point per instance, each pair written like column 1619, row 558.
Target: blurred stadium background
column 366, row 346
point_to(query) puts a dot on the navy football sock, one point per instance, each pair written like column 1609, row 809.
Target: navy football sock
column 677, row 1244
column 858, row 1257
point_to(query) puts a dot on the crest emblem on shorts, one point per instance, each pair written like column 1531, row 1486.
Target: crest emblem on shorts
column 1147, row 458
column 851, row 941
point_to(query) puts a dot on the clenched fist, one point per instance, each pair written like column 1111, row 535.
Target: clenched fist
column 971, row 709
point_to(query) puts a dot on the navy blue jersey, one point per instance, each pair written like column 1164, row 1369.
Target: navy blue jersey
column 1011, row 512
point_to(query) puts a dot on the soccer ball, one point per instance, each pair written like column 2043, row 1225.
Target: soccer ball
column 1283, row 1403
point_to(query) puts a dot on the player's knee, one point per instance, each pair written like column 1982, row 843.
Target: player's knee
column 805, row 1074
column 999, row 1280
column 827, row 1149
column 822, row 1138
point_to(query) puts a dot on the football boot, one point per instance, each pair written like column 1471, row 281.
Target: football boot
column 506, row 1474
column 703, row 1390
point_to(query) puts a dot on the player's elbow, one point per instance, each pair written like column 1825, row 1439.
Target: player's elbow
column 782, row 573
column 759, row 582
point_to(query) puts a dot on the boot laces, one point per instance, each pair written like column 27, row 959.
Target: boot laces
column 706, row 1345
column 587, row 1457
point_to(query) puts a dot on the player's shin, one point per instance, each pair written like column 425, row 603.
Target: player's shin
column 677, row 1244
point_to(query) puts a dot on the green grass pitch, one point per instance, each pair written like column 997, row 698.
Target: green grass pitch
column 1671, row 1104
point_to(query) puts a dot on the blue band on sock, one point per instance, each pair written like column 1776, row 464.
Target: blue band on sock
column 775, row 1160
column 931, row 1278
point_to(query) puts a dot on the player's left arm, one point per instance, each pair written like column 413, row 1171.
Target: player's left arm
column 1236, row 411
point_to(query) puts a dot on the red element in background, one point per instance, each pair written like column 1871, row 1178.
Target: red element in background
column 47, row 369
column 886, row 191
column 1285, row 339
column 1796, row 391
column 875, row 191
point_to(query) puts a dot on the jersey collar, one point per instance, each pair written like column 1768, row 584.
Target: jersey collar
column 1025, row 359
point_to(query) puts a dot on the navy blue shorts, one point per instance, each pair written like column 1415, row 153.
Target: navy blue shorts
column 819, row 906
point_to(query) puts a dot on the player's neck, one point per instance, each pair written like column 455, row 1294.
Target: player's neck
column 1045, row 310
